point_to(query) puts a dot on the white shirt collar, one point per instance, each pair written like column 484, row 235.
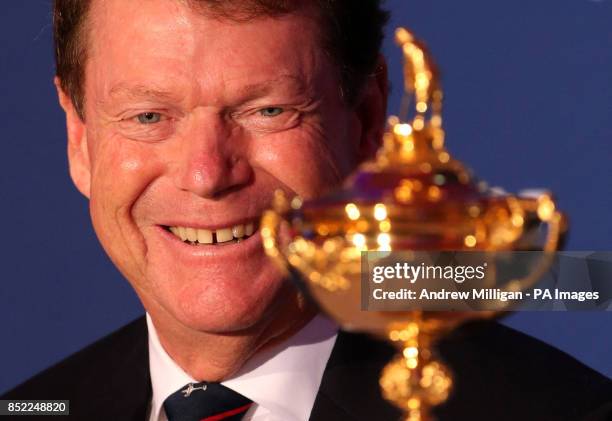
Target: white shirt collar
column 269, row 378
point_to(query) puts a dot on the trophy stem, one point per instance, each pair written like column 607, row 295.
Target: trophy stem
column 414, row 381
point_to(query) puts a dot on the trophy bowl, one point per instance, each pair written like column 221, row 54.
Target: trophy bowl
column 413, row 196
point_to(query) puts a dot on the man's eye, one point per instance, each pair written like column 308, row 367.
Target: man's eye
column 268, row 119
column 271, row 111
column 148, row 118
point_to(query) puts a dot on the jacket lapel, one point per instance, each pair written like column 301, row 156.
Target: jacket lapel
column 126, row 392
column 349, row 388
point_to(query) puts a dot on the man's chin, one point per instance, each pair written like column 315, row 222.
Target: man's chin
column 231, row 321
column 224, row 308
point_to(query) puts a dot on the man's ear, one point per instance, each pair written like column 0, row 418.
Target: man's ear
column 78, row 155
column 372, row 110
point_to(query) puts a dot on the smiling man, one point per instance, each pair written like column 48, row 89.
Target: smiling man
column 183, row 118
column 188, row 124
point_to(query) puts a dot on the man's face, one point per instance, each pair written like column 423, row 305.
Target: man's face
column 191, row 124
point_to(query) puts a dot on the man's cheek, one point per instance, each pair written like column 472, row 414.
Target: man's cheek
column 304, row 176
column 122, row 169
column 305, row 167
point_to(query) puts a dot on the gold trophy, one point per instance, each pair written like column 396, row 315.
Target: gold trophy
column 412, row 196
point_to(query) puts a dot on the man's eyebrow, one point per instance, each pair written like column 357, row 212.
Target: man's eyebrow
column 140, row 91
column 246, row 92
column 263, row 88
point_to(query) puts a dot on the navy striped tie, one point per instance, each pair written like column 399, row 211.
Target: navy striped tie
column 206, row 402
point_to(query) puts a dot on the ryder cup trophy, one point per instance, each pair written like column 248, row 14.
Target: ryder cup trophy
column 413, row 196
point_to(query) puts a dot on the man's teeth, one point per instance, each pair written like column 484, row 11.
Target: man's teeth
column 192, row 234
column 238, row 231
column 205, row 236
column 224, row 234
column 221, row 235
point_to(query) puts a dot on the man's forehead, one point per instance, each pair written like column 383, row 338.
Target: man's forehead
column 184, row 11
column 110, row 18
column 167, row 44
column 152, row 25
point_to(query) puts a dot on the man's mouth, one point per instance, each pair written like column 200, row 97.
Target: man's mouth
column 227, row 235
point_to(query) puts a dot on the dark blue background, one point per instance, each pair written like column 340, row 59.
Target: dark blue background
column 529, row 104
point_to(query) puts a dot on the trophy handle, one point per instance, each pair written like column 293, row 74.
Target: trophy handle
column 271, row 221
column 542, row 210
column 300, row 258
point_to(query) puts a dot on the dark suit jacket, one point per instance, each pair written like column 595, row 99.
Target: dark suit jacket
column 500, row 374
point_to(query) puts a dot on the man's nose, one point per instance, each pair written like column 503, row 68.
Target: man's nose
column 210, row 164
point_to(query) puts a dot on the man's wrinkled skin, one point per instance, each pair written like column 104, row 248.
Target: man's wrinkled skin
column 192, row 120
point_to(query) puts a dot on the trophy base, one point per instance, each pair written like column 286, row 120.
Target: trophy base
column 414, row 380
